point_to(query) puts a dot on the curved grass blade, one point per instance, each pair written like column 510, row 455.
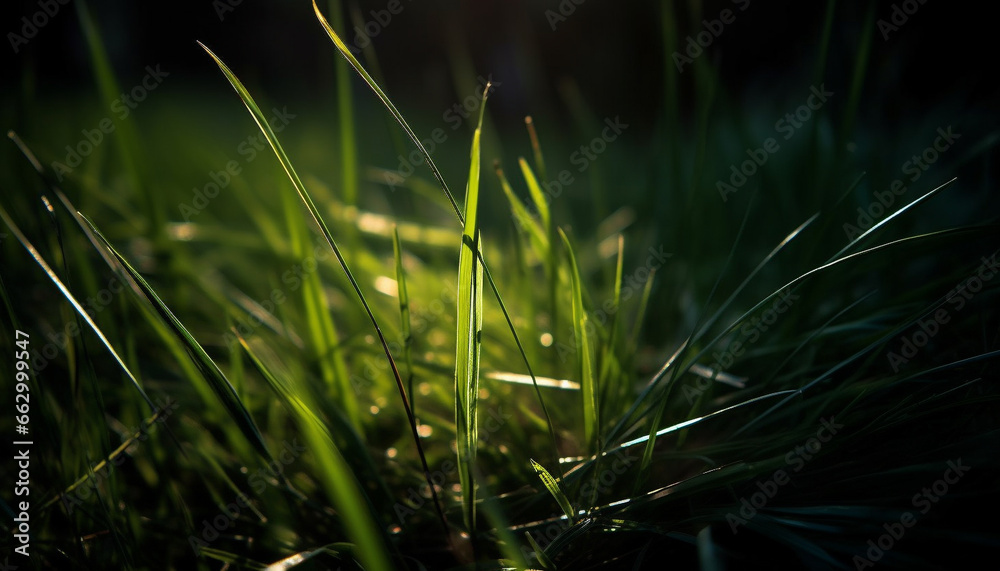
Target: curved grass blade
column 525, row 221
column 300, row 188
column 584, row 347
column 346, row 52
column 890, row 217
column 552, row 485
column 72, row 300
column 217, row 380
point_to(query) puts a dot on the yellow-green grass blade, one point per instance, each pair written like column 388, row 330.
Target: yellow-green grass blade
column 338, row 479
column 72, row 300
column 125, row 137
column 525, row 221
column 537, row 196
column 461, row 218
column 404, row 313
column 468, row 331
column 584, row 348
column 552, row 485
column 543, row 559
column 286, row 164
column 346, row 52
column 209, row 370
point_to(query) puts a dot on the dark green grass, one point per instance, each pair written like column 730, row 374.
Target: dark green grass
column 561, row 395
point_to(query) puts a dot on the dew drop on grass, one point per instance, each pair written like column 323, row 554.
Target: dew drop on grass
column 424, row 430
column 425, row 388
column 546, row 339
column 374, row 409
column 391, row 452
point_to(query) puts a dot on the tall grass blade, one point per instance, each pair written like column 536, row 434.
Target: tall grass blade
column 584, row 348
column 72, row 300
column 468, row 338
column 286, row 163
column 216, row 379
column 346, row 52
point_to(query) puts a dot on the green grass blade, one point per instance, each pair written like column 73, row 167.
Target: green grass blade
column 552, row 485
column 584, row 348
column 444, row 186
column 537, row 196
column 543, row 559
column 72, row 300
column 525, row 221
column 346, row 52
column 468, row 339
column 217, row 380
column 286, row 164
column 890, row 217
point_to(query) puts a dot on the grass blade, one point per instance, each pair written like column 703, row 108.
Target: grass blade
column 468, row 338
column 72, row 300
column 584, row 348
column 217, row 380
column 552, row 485
column 346, row 52
column 286, row 164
